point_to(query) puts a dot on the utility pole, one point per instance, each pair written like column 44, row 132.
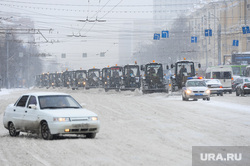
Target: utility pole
column 219, row 44
column 7, row 59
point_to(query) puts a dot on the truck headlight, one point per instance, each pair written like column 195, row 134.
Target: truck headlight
column 61, row 119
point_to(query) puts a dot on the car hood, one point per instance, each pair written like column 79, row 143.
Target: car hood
column 68, row 112
column 197, row 88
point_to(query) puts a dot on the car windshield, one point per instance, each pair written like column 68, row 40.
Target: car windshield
column 57, row 102
column 154, row 70
column 185, row 68
column 131, row 71
column 196, row 83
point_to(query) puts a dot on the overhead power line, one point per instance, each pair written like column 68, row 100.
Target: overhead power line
column 81, row 5
column 91, row 10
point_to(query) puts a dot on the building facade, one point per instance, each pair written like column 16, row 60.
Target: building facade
column 225, row 19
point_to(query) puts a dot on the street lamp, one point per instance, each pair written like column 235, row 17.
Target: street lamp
column 218, row 38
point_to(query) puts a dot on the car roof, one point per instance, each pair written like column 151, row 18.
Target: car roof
column 45, row 93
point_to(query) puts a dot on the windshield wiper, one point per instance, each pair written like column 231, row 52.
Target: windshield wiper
column 69, row 107
column 50, row 107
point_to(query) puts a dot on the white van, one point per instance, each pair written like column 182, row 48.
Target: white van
column 222, row 73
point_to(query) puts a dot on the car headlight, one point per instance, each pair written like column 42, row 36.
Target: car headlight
column 188, row 91
column 207, row 91
column 93, row 118
column 61, row 119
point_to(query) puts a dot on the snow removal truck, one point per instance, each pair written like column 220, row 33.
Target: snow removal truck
column 131, row 78
column 182, row 71
column 153, row 80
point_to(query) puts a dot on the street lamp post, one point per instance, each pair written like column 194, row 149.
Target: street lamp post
column 218, row 38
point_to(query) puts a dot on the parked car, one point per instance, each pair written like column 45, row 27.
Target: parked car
column 50, row 114
column 215, row 86
column 236, row 82
column 243, row 87
column 195, row 89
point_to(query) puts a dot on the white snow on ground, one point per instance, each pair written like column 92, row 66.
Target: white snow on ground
column 136, row 129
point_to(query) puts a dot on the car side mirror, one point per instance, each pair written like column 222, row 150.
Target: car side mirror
column 199, row 65
column 172, row 66
column 32, row 106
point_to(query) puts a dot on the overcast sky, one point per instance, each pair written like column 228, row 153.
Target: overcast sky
column 74, row 37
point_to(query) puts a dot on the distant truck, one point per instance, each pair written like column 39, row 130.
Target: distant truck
column 182, row 70
column 94, row 79
column 131, row 79
column 115, row 78
column 153, row 80
column 80, row 79
column 105, row 76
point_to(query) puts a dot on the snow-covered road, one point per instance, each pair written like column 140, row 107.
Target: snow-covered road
column 136, row 129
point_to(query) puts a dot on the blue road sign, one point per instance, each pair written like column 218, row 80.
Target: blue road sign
column 194, row 39
column 236, row 43
column 157, row 36
column 208, row 32
column 244, row 30
column 165, row 34
column 247, row 29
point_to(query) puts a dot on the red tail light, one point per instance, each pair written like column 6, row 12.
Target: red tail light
column 245, row 86
column 221, row 87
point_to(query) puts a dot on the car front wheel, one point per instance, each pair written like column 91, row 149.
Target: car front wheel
column 184, row 97
column 45, row 132
column 242, row 93
column 12, row 130
column 237, row 93
column 90, row 135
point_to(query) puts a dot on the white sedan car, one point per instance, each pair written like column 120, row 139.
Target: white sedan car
column 215, row 86
column 195, row 89
column 50, row 114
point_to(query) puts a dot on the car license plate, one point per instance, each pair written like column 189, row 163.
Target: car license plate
column 83, row 125
column 198, row 94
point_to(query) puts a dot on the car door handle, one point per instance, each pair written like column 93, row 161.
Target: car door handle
column 25, row 111
column 14, row 110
